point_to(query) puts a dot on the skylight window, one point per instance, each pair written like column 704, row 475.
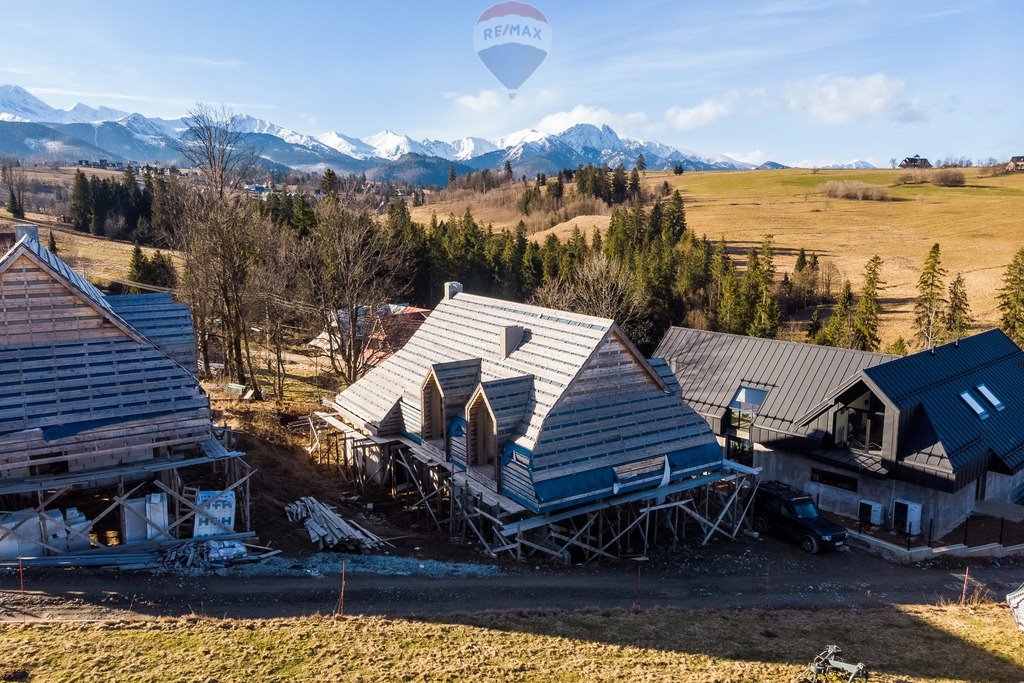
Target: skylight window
column 987, row 393
column 969, row 399
column 749, row 398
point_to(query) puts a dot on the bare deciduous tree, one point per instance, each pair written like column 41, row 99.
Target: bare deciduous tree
column 12, row 177
column 355, row 268
column 600, row 287
column 214, row 142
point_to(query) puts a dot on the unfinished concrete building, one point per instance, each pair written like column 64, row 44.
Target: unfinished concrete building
column 536, row 431
column 105, row 434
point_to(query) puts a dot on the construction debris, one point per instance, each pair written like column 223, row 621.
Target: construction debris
column 197, row 555
column 328, row 529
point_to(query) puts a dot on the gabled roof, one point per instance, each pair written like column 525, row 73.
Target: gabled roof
column 87, row 377
column 163, row 321
column 931, row 382
column 712, row 366
column 64, row 274
column 467, row 329
column 508, row 400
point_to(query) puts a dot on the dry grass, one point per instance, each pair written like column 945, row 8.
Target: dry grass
column 911, row 644
column 977, row 226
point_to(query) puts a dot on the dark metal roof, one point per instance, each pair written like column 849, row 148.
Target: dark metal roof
column 930, row 383
column 711, row 366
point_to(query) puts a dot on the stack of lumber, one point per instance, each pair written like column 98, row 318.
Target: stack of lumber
column 328, row 529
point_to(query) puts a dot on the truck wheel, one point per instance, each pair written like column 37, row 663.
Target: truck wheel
column 809, row 544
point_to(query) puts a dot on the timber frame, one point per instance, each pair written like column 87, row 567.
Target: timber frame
column 465, row 504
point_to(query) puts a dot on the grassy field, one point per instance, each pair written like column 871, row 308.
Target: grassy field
column 910, row 644
column 978, row 226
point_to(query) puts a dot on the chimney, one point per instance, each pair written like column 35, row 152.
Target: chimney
column 509, row 339
column 30, row 230
column 451, row 289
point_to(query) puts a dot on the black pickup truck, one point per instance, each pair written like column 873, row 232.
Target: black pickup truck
column 785, row 511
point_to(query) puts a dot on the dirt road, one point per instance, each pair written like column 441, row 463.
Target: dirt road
column 749, row 574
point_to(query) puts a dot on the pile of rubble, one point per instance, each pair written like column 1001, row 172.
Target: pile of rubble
column 327, row 529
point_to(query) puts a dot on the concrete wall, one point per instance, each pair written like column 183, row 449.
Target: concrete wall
column 1002, row 488
column 944, row 510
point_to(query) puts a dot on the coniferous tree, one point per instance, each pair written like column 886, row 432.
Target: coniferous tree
column 1011, row 299
column 451, row 173
column 898, row 347
column 957, row 318
column 765, row 322
column 51, row 245
column 866, row 318
column 801, row 261
column 838, row 331
column 930, row 299
column 641, row 164
column 330, row 183
column 81, row 201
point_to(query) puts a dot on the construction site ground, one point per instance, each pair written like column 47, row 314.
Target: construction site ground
column 425, row 571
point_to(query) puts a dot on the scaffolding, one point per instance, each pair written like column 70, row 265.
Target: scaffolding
column 464, row 503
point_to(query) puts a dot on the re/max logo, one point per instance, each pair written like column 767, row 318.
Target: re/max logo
column 512, row 30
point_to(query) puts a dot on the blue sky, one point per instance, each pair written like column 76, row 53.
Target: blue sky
column 806, row 81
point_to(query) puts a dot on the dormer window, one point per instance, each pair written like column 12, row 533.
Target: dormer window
column 990, row 397
column 975, row 405
column 745, row 405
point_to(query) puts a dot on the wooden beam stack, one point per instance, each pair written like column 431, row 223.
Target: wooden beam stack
column 328, row 529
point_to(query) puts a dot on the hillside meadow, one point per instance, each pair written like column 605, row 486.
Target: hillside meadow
column 935, row 644
column 979, row 226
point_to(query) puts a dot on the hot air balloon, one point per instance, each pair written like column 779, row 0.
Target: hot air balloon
column 512, row 39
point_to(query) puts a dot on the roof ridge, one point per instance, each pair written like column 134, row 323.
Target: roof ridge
column 946, row 379
column 784, row 342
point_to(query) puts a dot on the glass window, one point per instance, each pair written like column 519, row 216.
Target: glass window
column 805, row 509
column 745, row 405
column 990, row 397
column 749, row 398
column 969, row 399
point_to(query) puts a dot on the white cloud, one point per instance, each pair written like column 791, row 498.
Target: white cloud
column 708, row 111
column 209, row 62
column 11, row 70
column 487, row 100
column 844, row 99
column 559, row 121
column 756, row 157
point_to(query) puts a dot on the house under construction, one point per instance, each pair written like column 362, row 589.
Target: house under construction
column 106, row 440
column 532, row 430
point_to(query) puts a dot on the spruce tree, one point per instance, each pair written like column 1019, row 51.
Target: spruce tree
column 1011, row 299
column 765, row 322
column 138, row 267
column 801, row 261
column 330, row 183
column 930, row 299
column 451, row 173
column 838, row 331
column 957, row 318
column 81, row 202
column 641, row 164
column 898, row 347
column 866, row 318
column 634, row 184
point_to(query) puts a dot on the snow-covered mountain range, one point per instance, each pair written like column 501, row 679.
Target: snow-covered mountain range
column 29, row 127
